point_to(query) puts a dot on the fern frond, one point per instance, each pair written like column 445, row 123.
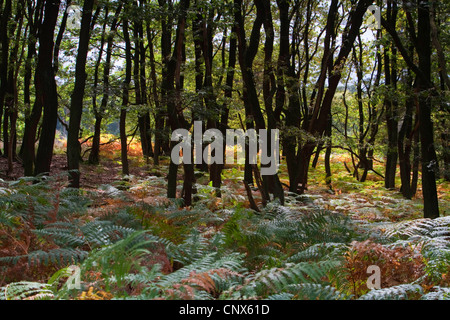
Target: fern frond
column 278, row 279
column 439, row 227
column 192, row 249
column 319, row 251
column 400, row 292
column 283, row 296
column 75, row 234
column 439, row 293
column 8, row 219
column 314, row 291
column 232, row 262
column 26, row 290
column 60, row 256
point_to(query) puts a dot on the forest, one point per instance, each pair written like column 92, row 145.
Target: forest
column 115, row 122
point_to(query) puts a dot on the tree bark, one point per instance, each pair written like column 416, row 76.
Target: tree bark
column 391, row 104
column 76, row 103
column 46, row 88
column 247, row 54
column 171, row 87
column 32, row 115
column 429, row 158
column 94, row 156
column 318, row 123
column 4, row 42
column 125, row 100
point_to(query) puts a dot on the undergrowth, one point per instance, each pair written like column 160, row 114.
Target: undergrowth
column 138, row 250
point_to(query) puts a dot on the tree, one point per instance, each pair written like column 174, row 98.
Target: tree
column 425, row 90
column 140, row 81
column 429, row 158
column 46, row 92
column 125, row 99
column 316, row 125
column 247, row 53
column 99, row 112
column 76, row 103
column 32, row 116
column 391, row 103
column 171, row 90
column 5, row 14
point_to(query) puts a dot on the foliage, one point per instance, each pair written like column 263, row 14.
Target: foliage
column 43, row 228
column 158, row 251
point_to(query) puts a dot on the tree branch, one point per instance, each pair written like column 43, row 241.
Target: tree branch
column 404, row 52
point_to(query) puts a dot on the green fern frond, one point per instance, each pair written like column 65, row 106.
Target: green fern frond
column 192, row 249
column 208, row 262
column 26, row 290
column 314, row 291
column 439, row 227
column 63, row 234
column 320, row 251
column 59, row 256
column 283, row 296
column 94, row 234
column 7, row 219
column 278, row 279
column 438, row 293
column 400, row 292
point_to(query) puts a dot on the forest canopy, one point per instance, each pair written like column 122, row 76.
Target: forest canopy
column 91, row 92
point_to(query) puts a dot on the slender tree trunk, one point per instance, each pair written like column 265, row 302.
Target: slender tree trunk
column 12, row 95
column 247, row 54
column 416, row 154
column 76, row 103
column 141, row 88
column 32, row 114
column 229, row 84
column 329, row 134
column 4, row 42
column 125, row 100
column 46, row 88
column 292, row 111
column 161, row 139
column 429, row 158
column 171, row 87
column 94, row 156
column 95, row 150
column 405, row 144
column 318, row 123
column 156, row 100
column 391, row 104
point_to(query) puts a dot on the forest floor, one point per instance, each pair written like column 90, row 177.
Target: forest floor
column 368, row 200
column 142, row 195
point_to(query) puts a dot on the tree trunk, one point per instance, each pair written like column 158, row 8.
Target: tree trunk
column 154, row 88
column 228, row 92
column 4, row 42
column 247, row 54
column 318, row 123
column 141, row 89
column 171, row 89
column 391, row 105
column 125, row 100
column 429, row 158
column 76, row 103
column 32, row 115
column 12, row 95
column 405, row 144
column 95, row 150
column 161, row 139
column 46, row 88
